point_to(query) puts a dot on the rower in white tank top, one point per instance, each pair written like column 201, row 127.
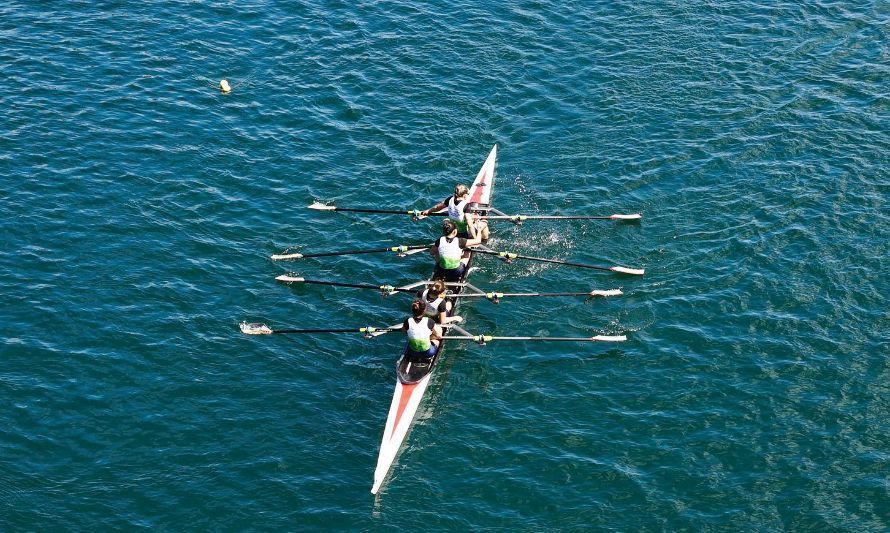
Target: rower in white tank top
column 452, row 253
column 438, row 305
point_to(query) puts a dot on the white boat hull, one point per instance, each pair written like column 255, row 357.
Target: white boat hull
column 407, row 396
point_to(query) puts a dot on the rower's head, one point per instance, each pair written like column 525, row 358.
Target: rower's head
column 448, row 227
column 417, row 308
column 460, row 190
column 438, row 287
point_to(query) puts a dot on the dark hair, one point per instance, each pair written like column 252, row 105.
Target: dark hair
column 448, row 226
column 417, row 307
column 438, row 286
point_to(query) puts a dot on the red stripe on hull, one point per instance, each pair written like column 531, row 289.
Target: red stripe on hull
column 407, row 391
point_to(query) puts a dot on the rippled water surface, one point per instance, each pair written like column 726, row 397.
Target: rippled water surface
column 140, row 205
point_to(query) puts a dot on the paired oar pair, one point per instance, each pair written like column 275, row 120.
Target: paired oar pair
column 369, row 331
column 415, row 213
column 506, row 256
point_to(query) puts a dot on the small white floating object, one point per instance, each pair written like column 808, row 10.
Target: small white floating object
column 224, row 86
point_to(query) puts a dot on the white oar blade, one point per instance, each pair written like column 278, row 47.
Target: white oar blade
column 279, row 257
column 625, row 270
column 635, row 216
column 609, row 338
column 255, row 329
column 609, row 292
column 322, row 207
column 289, row 278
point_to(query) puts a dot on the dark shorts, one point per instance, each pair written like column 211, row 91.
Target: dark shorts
column 420, row 357
column 450, row 275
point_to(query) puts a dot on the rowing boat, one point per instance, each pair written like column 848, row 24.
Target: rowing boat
column 413, row 379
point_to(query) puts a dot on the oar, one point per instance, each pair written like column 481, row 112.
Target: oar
column 397, row 249
column 413, row 212
column 385, row 289
column 521, row 218
column 493, row 296
column 482, row 339
column 509, row 256
column 262, row 329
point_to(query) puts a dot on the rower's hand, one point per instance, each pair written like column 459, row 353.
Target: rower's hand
column 418, row 215
column 457, row 319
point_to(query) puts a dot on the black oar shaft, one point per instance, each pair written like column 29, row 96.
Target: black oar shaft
column 342, row 330
column 383, row 211
column 371, row 251
column 505, row 294
column 545, row 217
column 352, row 285
column 492, row 338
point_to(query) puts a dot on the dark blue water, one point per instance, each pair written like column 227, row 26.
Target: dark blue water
column 140, row 205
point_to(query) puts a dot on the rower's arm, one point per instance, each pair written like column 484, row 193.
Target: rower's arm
column 471, row 224
column 438, row 207
column 437, row 332
column 474, row 241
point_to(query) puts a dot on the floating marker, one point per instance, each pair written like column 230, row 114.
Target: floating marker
column 224, row 86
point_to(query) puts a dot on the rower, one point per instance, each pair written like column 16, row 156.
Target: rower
column 460, row 212
column 423, row 334
column 437, row 304
column 452, row 252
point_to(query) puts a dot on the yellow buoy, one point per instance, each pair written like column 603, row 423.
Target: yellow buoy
column 224, row 86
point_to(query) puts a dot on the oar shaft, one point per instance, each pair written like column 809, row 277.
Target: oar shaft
column 342, row 330
column 512, row 294
column 486, row 338
column 262, row 329
column 381, row 211
column 354, row 285
column 540, row 259
column 521, row 218
column 370, row 251
column 509, row 256
column 321, row 207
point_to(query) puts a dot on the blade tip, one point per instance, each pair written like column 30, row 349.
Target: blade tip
column 632, row 271
column 254, row 328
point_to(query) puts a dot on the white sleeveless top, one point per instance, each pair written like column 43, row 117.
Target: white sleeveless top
column 450, row 252
column 456, row 213
column 432, row 308
column 419, row 334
